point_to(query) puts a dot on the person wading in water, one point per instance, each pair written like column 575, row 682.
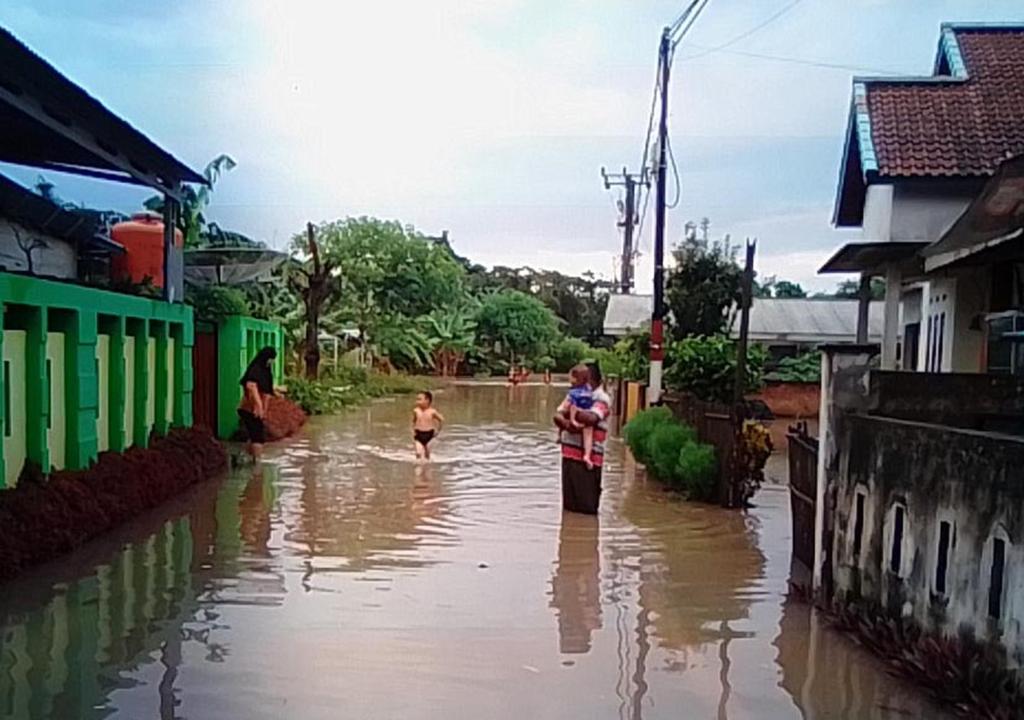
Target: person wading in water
column 581, row 485
column 257, row 385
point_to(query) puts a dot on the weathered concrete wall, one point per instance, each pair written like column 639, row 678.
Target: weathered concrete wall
column 965, row 400
column 935, row 474
column 57, row 259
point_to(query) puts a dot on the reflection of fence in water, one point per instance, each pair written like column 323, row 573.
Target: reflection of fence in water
column 61, row 658
column 68, row 636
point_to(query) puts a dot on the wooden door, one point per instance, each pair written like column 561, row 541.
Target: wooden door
column 204, row 388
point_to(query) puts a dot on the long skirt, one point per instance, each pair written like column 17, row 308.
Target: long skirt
column 581, row 487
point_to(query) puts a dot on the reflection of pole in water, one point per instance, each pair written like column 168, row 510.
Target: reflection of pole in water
column 723, row 674
column 643, row 644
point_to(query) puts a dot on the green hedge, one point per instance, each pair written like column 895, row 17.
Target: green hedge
column 347, row 387
column 671, row 452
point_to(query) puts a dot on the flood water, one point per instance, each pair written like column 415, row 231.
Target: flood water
column 345, row 581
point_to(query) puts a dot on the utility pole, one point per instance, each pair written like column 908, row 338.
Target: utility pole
column 628, row 222
column 747, row 292
column 658, row 317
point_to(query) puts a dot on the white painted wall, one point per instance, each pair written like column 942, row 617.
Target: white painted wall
column 878, row 210
column 922, row 215
column 973, row 287
column 57, row 260
column 905, row 212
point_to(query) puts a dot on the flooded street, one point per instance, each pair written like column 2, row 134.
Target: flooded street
column 345, row 581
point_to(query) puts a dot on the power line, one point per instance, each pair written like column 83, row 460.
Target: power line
column 799, row 61
column 675, row 174
column 675, row 26
column 743, row 36
column 679, row 31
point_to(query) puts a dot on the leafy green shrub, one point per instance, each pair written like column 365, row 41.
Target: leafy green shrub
column 638, row 430
column 544, row 363
column 671, row 452
column 378, row 385
column 804, row 368
column 569, row 351
column 663, row 446
column 313, row 396
column 214, row 302
column 349, row 386
column 696, row 469
column 706, row 367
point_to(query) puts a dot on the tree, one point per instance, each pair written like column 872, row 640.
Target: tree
column 706, row 367
column 403, row 345
column 703, row 285
column 451, row 333
column 516, row 325
column 28, row 244
column 388, row 271
column 192, row 221
column 316, row 284
column 850, row 289
column 579, row 301
column 787, row 289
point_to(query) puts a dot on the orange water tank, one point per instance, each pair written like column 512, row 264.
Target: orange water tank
column 143, row 241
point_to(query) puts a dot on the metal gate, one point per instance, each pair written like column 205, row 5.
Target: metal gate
column 803, row 478
column 204, row 369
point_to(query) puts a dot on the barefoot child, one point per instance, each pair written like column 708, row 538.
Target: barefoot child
column 581, row 397
column 426, row 424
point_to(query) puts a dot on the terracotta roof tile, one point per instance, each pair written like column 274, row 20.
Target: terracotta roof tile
column 954, row 127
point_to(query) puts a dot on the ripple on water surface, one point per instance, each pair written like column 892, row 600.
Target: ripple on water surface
column 346, row 580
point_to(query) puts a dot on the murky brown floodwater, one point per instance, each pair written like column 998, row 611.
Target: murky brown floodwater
column 346, row 582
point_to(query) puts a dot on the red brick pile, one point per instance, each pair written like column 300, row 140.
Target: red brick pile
column 43, row 519
column 283, row 417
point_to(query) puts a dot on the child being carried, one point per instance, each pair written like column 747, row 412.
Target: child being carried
column 581, row 397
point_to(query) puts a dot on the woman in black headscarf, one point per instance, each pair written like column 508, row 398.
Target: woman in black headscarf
column 257, row 383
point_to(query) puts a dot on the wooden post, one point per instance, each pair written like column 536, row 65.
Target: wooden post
column 746, row 293
column 863, row 308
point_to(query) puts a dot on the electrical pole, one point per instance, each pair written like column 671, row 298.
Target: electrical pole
column 630, row 182
column 658, row 316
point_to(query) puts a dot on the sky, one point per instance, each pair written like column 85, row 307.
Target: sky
column 491, row 119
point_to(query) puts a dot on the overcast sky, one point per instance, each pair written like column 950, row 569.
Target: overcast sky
column 492, row 119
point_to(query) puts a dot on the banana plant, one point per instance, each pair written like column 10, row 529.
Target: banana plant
column 451, row 333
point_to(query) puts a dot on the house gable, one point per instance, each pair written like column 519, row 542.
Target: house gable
column 959, row 123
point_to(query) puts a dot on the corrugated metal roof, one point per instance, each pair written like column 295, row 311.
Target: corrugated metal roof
column 809, row 320
column 77, row 132
column 21, row 205
column 772, row 320
column 627, row 313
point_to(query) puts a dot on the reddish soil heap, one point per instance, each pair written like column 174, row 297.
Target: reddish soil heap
column 43, row 519
column 283, row 417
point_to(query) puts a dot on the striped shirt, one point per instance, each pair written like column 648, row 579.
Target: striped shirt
column 572, row 442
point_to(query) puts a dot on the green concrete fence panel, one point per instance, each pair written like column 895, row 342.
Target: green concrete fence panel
column 239, row 338
column 143, row 366
column 13, row 397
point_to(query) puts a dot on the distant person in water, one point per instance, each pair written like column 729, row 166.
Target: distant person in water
column 257, row 385
column 426, row 424
column 580, row 399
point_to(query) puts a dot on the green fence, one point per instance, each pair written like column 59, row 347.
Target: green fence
column 86, row 370
column 239, row 338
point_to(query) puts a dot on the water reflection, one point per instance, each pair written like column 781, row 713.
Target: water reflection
column 576, row 584
column 343, row 580
column 828, row 677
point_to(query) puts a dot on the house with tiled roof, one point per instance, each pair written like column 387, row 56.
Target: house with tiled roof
column 913, row 491
column 918, row 152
